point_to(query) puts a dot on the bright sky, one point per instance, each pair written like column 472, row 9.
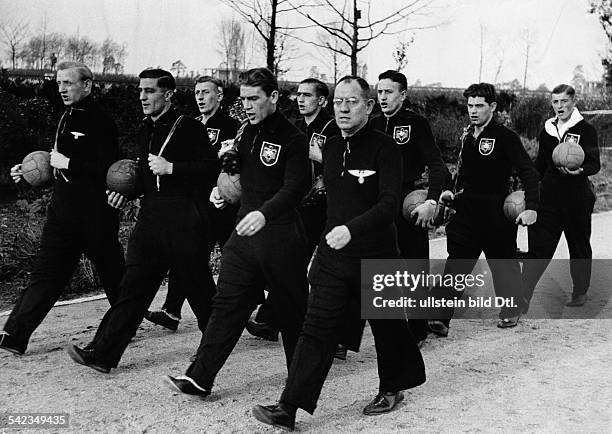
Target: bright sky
column 158, row 32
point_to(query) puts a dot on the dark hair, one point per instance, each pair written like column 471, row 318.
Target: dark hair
column 208, row 79
column 564, row 88
column 396, row 77
column 259, row 77
column 320, row 88
column 363, row 84
column 485, row 90
column 165, row 80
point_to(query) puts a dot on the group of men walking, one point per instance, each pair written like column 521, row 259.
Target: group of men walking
column 330, row 184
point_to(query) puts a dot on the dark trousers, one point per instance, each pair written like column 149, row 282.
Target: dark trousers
column 63, row 240
column 273, row 258
column 413, row 242
column 335, row 284
column 568, row 211
column 168, row 235
column 313, row 218
column 223, row 222
column 479, row 225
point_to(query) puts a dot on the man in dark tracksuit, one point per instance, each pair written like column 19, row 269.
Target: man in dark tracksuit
column 318, row 126
column 220, row 127
column 267, row 249
column 419, row 150
column 489, row 152
column 78, row 218
column 566, row 196
column 363, row 174
column 171, row 233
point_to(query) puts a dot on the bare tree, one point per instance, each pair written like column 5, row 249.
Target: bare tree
column 500, row 57
column 13, row 34
column 483, row 30
column 284, row 53
column 111, row 53
column 400, row 53
column 232, row 45
column 264, row 16
column 56, row 43
column 603, row 10
column 329, row 47
column 341, row 20
column 81, row 49
column 527, row 39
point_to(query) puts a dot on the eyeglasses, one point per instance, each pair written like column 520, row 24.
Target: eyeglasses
column 352, row 102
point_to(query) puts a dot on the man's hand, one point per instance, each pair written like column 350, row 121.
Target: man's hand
column 425, row 213
column 526, row 218
column 250, row 224
column 58, row 160
column 116, row 200
column 567, row 171
column 216, row 199
column 447, row 197
column 315, row 153
column 338, row 237
column 16, row 173
column 159, row 165
column 226, row 145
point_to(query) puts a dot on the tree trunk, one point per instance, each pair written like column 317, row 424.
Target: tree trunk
column 354, row 41
column 526, row 66
column 272, row 39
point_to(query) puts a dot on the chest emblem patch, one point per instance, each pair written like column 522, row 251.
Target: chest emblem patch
column 574, row 138
column 269, row 153
column 76, row 134
column 317, row 140
column 486, row 146
column 213, row 135
column 401, row 134
column 361, row 174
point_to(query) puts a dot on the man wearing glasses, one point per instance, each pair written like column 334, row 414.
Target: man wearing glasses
column 363, row 174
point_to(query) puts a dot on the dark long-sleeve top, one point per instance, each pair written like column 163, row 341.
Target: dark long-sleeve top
column 577, row 130
column 219, row 127
column 412, row 133
column 88, row 137
column 363, row 177
column 273, row 169
column 318, row 132
column 487, row 163
column 195, row 163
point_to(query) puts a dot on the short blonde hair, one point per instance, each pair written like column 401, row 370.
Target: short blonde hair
column 83, row 70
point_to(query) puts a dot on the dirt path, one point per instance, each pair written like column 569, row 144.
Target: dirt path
column 543, row 376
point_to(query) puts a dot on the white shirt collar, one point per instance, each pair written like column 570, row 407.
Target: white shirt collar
column 551, row 125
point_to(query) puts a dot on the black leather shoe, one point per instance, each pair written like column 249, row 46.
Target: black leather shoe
column 577, row 300
column 262, row 330
column 161, row 318
column 383, row 403
column 7, row 343
column 438, row 328
column 506, row 323
column 340, row 353
column 274, row 415
column 87, row 357
column 185, row 384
